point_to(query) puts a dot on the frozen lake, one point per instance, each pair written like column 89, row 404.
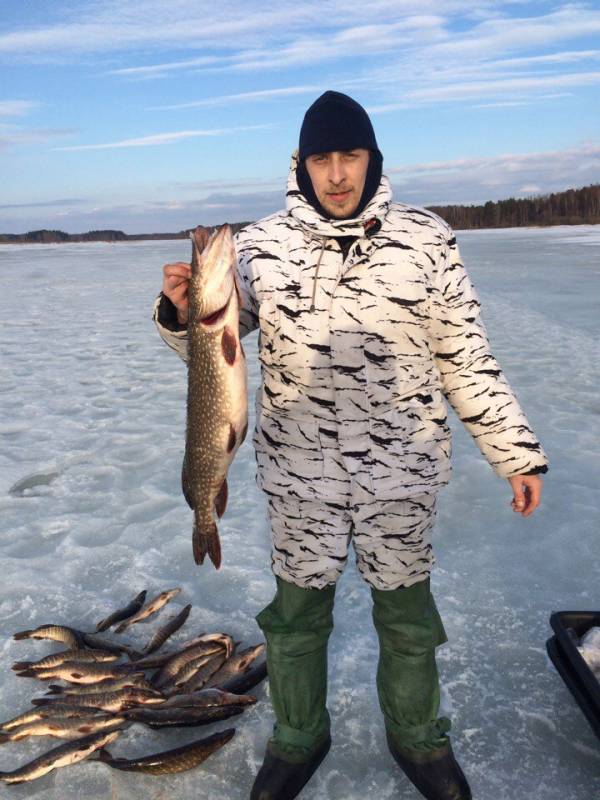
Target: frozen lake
column 92, row 399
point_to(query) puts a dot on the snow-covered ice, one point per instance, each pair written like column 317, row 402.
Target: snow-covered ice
column 92, row 416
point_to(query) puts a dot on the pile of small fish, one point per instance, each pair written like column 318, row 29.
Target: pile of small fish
column 589, row 647
column 203, row 681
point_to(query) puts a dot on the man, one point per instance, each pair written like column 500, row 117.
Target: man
column 367, row 320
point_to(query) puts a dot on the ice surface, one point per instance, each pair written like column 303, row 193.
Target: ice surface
column 91, row 396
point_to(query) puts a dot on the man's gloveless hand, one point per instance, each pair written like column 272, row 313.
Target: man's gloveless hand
column 176, row 280
column 527, row 492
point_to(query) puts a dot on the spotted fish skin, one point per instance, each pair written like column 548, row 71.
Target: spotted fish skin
column 217, row 400
column 171, row 761
column 61, row 756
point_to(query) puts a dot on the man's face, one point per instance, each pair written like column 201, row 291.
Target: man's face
column 338, row 179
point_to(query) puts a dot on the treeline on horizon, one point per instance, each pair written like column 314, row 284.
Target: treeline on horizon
column 571, row 207
column 45, row 236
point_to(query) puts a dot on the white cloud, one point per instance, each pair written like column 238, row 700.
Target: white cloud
column 11, row 136
column 414, row 53
column 475, row 180
column 155, row 70
column 316, row 46
column 63, row 201
column 581, row 153
column 486, row 88
column 507, row 33
column 16, row 108
column 162, row 138
column 459, row 181
column 565, row 57
column 265, row 94
column 531, row 189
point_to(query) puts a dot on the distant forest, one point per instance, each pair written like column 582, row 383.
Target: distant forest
column 45, row 236
column 572, row 207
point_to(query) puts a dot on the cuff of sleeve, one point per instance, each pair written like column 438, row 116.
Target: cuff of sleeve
column 536, row 470
column 166, row 315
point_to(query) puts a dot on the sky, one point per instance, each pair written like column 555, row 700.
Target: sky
column 159, row 116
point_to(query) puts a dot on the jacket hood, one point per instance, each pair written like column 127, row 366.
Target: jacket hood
column 310, row 219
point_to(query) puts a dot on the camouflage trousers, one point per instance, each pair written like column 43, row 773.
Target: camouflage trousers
column 391, row 540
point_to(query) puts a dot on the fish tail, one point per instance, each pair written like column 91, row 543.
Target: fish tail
column 206, row 541
column 55, row 689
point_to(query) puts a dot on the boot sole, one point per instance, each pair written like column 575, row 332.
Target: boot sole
column 293, row 788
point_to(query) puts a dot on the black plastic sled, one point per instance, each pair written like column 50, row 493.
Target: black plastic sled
column 569, row 627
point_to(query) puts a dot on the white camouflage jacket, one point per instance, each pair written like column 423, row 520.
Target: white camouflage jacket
column 357, row 355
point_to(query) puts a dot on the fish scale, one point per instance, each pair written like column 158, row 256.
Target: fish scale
column 171, row 761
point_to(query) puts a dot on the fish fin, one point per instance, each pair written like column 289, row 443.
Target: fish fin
column 28, row 673
column 214, row 548
column 229, row 345
column 22, row 635
column 21, row 665
column 185, row 485
column 85, row 729
column 201, row 236
column 244, row 432
column 40, row 701
column 54, row 688
column 232, row 438
column 221, row 499
column 206, row 542
column 4, row 737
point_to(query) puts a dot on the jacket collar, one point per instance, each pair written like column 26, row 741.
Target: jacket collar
column 318, row 226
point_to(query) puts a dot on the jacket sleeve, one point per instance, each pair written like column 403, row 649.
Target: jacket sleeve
column 472, row 380
column 174, row 334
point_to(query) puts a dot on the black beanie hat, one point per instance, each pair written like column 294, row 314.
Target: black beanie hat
column 337, row 122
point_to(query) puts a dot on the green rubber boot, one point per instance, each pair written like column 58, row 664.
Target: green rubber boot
column 296, row 625
column 410, row 628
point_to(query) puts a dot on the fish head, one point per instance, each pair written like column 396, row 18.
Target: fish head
column 111, row 736
column 212, row 284
column 249, row 656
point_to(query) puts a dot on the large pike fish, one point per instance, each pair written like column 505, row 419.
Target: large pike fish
column 217, row 401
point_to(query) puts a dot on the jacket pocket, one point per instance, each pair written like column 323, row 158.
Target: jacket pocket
column 410, row 447
column 288, row 455
column 393, row 380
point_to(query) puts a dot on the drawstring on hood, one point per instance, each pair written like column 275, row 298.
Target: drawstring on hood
column 314, row 291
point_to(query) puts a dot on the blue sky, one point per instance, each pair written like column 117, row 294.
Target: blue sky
column 158, row 116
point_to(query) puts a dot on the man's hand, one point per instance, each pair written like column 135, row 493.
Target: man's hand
column 527, row 491
column 175, row 286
